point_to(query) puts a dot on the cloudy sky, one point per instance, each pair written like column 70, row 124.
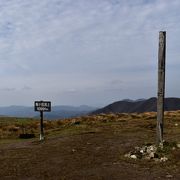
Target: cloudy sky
column 92, row 52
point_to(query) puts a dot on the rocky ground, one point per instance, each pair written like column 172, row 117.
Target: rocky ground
column 96, row 147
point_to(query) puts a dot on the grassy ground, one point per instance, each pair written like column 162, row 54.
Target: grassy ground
column 91, row 147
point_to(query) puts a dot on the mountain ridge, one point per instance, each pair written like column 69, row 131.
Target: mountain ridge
column 146, row 105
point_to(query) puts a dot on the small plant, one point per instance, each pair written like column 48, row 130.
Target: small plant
column 167, row 148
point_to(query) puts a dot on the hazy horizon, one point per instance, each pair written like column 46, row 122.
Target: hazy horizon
column 85, row 52
column 79, row 105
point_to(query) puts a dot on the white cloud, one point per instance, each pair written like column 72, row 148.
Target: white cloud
column 59, row 45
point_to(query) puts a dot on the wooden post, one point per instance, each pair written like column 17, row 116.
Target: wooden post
column 161, row 86
column 42, row 106
column 41, row 127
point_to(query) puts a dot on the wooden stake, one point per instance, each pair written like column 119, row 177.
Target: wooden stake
column 41, row 127
column 161, row 86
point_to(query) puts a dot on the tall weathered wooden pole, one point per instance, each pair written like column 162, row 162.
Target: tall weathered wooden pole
column 161, row 86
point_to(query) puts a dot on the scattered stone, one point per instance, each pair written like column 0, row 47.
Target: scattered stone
column 98, row 148
column 176, row 124
column 169, row 176
column 133, row 156
column 151, row 155
column 127, row 155
column 178, row 145
column 161, row 145
column 73, row 150
column 149, row 152
column 115, row 163
column 151, row 149
column 163, row 159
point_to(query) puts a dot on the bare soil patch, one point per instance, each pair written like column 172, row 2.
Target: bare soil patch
column 93, row 148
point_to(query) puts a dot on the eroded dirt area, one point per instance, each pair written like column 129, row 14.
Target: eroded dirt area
column 97, row 153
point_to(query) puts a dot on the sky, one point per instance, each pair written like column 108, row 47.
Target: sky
column 92, row 52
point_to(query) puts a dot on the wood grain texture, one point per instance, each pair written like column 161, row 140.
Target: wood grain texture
column 161, row 85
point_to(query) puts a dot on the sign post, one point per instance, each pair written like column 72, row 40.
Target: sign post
column 42, row 106
column 161, row 86
column 41, row 126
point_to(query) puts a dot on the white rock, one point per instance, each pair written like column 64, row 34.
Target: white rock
column 133, row 156
column 73, row 150
column 151, row 149
column 178, row 145
column 127, row 155
column 144, row 148
column 176, row 124
column 169, row 176
column 151, row 155
column 161, row 145
column 141, row 151
column 148, row 150
column 163, row 159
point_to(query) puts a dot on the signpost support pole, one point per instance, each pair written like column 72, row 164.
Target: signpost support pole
column 41, row 126
column 161, row 87
column 42, row 106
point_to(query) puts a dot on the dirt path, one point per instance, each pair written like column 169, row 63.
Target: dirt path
column 90, row 155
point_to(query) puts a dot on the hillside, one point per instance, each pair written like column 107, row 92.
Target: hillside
column 140, row 106
column 91, row 147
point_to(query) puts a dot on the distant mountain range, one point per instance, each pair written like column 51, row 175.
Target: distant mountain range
column 124, row 106
column 57, row 112
column 139, row 106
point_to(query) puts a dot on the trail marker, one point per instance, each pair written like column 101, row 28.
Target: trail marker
column 42, row 106
column 161, row 86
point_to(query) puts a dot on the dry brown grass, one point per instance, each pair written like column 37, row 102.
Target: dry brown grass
column 12, row 127
column 89, row 147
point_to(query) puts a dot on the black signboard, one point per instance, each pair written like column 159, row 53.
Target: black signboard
column 44, row 106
